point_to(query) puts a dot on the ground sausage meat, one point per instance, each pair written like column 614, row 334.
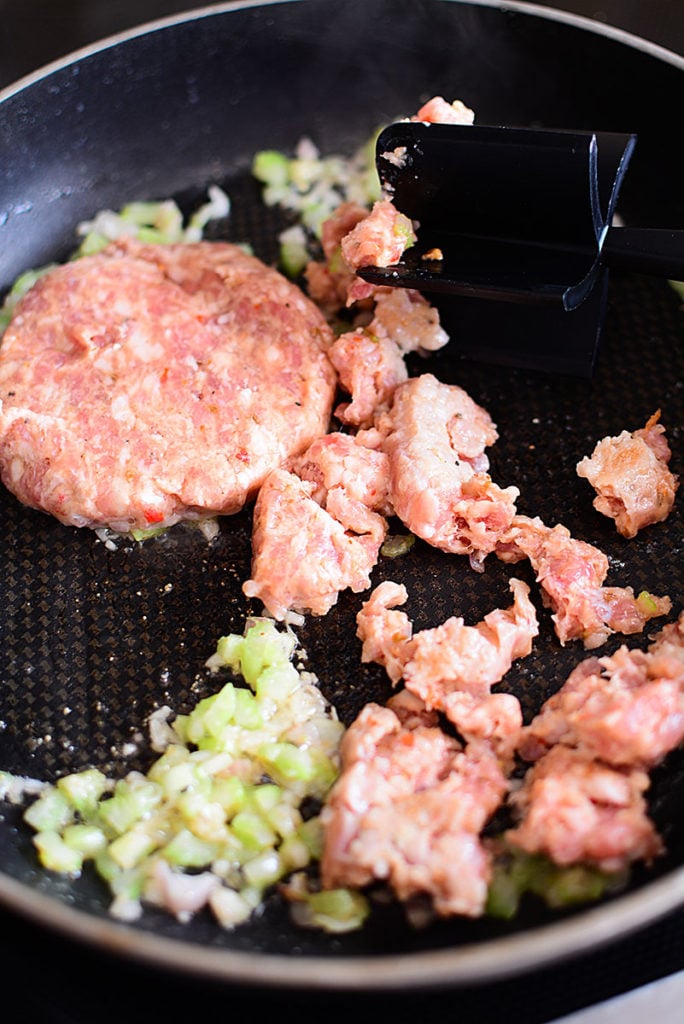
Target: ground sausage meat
column 408, row 809
column 152, row 383
column 436, row 436
column 626, row 709
column 576, row 809
column 453, row 667
column 570, row 573
column 631, row 477
column 318, row 527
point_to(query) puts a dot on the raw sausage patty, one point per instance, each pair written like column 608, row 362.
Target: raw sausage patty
column 152, row 383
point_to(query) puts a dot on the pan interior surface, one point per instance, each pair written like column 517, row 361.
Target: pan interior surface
column 95, row 639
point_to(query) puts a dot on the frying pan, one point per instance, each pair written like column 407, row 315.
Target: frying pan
column 95, row 639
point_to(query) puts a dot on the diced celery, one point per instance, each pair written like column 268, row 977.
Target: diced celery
column 303, row 172
column 289, row 764
column 204, row 818
column 228, row 653
column 338, row 910
column 234, row 853
column 403, row 229
column 277, row 683
column 576, row 884
column 396, row 545
column 221, row 710
column 647, row 603
column 218, row 205
column 229, row 741
column 532, row 871
column 106, row 866
column 21, row 286
column 93, row 242
column 139, row 212
column 56, row 855
column 128, row 884
column 271, row 167
column 129, row 803
column 149, row 531
column 212, row 714
column 252, row 830
column 336, row 902
column 285, row 818
column 264, row 869
column 151, row 236
column 229, row 907
column 183, row 777
column 180, row 727
column 89, row 840
column 517, row 873
column 264, row 797
column 247, row 710
column 295, row 853
column 324, row 772
column 314, row 216
column 24, row 284
column 187, row 850
column 336, row 264
column 83, row 789
column 156, row 221
column 193, row 728
column 264, row 646
column 169, row 219
column 26, row 281
column 286, row 762
column 293, row 251
column 129, row 849
column 174, row 756
column 51, row 812
column 503, row 895
column 311, row 834
column 204, row 802
column 370, row 185
column 251, row 895
column 210, row 763
column 230, row 793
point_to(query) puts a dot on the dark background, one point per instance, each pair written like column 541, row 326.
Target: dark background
column 57, row 981
column 33, row 32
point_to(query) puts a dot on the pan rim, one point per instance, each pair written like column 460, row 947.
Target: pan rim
column 472, row 963
column 517, row 6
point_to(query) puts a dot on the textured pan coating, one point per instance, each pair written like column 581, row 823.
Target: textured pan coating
column 94, row 639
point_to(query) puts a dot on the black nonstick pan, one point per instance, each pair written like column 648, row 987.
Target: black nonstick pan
column 94, row 639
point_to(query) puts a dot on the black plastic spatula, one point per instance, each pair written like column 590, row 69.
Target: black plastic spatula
column 521, row 222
